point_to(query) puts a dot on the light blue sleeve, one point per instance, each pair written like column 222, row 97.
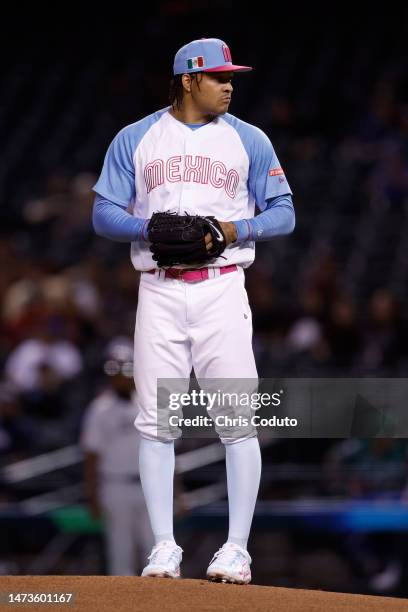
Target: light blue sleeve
column 266, row 177
column 116, row 182
column 112, row 221
column 277, row 219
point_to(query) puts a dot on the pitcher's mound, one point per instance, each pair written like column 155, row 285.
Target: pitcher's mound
column 117, row 593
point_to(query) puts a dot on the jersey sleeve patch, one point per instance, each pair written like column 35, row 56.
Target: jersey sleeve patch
column 275, row 171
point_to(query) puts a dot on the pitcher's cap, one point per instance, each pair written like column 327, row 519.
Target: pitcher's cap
column 206, row 55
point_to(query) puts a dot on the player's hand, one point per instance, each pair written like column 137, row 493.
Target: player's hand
column 208, row 242
column 230, row 232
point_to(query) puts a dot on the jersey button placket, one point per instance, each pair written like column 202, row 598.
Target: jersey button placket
column 188, row 187
column 182, row 205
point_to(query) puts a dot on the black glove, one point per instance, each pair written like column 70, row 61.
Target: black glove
column 180, row 239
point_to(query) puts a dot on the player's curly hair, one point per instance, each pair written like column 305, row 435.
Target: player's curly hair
column 176, row 91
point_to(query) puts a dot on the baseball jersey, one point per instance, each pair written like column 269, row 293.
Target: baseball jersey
column 224, row 168
column 108, row 430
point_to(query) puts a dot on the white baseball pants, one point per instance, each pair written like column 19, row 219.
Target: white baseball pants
column 204, row 324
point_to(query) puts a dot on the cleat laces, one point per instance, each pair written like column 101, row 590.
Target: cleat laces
column 229, row 554
column 165, row 552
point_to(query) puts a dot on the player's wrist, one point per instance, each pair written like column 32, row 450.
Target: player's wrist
column 243, row 230
column 230, row 231
column 233, row 232
column 144, row 237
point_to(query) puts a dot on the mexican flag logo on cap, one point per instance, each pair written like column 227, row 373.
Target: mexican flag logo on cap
column 195, row 62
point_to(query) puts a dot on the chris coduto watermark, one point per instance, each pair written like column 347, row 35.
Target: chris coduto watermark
column 283, row 407
column 219, row 399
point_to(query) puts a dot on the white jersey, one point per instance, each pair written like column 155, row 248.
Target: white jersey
column 223, row 168
column 108, row 430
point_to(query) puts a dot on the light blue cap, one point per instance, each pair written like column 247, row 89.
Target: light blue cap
column 205, row 55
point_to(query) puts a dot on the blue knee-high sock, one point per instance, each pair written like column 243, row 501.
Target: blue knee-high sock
column 243, row 463
column 156, row 465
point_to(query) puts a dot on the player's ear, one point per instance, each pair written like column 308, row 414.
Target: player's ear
column 187, row 82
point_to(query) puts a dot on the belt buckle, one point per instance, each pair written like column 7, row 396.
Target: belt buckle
column 180, row 273
column 176, row 273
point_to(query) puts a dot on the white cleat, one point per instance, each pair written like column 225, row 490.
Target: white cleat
column 230, row 564
column 164, row 560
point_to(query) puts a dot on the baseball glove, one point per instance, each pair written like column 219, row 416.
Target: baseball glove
column 180, row 239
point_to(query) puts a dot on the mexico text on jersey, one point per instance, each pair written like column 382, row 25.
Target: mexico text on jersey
column 222, row 169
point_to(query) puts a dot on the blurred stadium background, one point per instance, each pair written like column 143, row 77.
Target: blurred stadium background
column 330, row 90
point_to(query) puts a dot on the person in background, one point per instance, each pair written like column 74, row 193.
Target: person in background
column 111, row 445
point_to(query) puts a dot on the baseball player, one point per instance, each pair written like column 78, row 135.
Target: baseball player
column 194, row 163
column 111, row 464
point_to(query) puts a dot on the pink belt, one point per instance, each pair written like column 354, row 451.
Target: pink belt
column 195, row 274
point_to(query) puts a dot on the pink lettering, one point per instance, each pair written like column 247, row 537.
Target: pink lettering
column 173, row 172
column 197, row 168
column 231, row 183
column 217, row 171
column 153, row 174
column 193, row 168
column 206, row 170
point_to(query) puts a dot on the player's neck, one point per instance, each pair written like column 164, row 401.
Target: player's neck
column 190, row 115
